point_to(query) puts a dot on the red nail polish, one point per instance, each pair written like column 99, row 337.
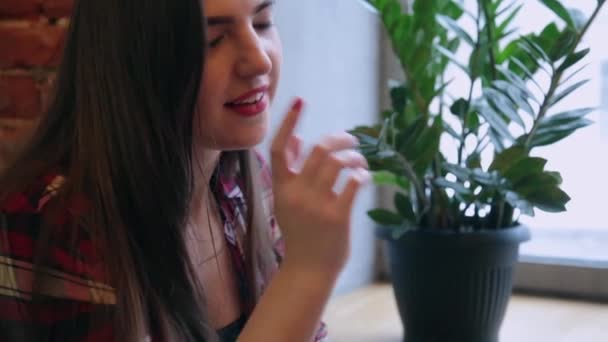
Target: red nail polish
column 298, row 104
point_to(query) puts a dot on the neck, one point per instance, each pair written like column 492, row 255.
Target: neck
column 205, row 162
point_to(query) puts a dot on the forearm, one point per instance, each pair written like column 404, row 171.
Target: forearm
column 290, row 309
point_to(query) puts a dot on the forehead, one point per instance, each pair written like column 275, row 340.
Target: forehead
column 230, row 7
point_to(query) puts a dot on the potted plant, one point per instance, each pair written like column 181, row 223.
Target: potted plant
column 462, row 161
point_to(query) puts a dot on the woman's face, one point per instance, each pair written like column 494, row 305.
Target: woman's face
column 240, row 77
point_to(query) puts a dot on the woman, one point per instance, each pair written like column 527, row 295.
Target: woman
column 140, row 209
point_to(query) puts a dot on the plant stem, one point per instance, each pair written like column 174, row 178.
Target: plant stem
column 490, row 33
column 556, row 78
column 411, row 174
column 464, row 122
column 501, row 213
column 418, row 99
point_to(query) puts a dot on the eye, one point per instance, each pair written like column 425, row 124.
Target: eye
column 263, row 26
column 215, row 42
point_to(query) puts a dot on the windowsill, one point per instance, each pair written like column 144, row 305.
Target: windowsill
column 579, row 247
column 565, row 262
column 370, row 314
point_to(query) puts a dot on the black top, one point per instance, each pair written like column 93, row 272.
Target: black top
column 232, row 331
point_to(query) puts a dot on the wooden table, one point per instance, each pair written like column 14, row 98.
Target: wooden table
column 370, row 314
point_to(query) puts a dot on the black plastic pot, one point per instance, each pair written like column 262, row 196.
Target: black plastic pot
column 453, row 287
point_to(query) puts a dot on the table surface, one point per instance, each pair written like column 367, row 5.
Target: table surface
column 370, row 314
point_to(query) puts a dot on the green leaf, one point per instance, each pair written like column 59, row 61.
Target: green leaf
column 495, row 121
column 548, row 138
column 491, row 179
column 472, row 121
column 478, row 60
column 533, row 48
column 555, row 99
column 399, row 97
column 503, row 104
column 474, row 161
column 427, row 146
column 500, row 11
column 451, row 131
column 557, row 176
column 567, row 79
column 497, row 141
column 565, row 116
column 465, row 10
column 451, row 57
column 385, row 177
column 517, row 95
column 404, row 207
column 453, row 10
column 457, row 187
column 505, row 24
column 572, row 125
column 460, row 172
column 385, row 217
column 452, row 25
column 441, row 89
column 525, row 167
column 573, row 59
column 367, row 131
column 556, row 7
column 516, row 201
column 556, row 127
column 407, row 137
column 547, row 197
column 563, row 45
column 401, row 33
column 460, row 107
column 504, row 160
column 523, row 67
column 578, row 17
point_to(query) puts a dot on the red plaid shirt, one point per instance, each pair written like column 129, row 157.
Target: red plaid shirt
column 73, row 293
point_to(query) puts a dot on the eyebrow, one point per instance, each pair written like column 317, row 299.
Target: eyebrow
column 223, row 20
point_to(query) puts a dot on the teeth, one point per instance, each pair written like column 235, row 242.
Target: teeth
column 251, row 100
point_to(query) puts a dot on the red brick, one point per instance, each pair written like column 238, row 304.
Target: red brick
column 19, row 8
column 14, row 134
column 19, row 97
column 57, row 8
column 46, row 91
column 27, row 44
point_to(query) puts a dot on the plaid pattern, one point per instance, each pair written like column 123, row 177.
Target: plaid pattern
column 74, row 296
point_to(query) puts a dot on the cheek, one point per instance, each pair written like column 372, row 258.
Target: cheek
column 275, row 54
column 212, row 87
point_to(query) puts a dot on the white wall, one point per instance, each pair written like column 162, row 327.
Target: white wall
column 332, row 60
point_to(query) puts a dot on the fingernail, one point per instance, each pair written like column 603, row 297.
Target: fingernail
column 365, row 175
column 355, row 140
column 298, row 104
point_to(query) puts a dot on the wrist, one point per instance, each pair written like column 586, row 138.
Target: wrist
column 306, row 274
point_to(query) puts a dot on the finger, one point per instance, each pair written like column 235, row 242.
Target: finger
column 294, row 152
column 337, row 162
column 330, row 144
column 278, row 149
column 357, row 179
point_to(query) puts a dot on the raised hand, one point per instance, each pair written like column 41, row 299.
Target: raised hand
column 314, row 218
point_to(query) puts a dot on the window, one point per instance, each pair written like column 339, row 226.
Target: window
column 568, row 253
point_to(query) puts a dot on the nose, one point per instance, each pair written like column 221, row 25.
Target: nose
column 253, row 58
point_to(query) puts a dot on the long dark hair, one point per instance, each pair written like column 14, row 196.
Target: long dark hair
column 120, row 129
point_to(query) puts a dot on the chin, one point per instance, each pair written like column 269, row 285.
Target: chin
column 239, row 141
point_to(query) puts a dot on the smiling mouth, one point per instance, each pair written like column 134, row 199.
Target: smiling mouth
column 251, row 100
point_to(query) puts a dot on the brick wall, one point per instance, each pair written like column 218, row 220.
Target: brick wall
column 31, row 38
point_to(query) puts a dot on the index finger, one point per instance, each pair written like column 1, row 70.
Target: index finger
column 278, row 148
